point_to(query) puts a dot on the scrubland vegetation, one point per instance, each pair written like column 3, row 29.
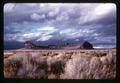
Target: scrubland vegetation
column 60, row 64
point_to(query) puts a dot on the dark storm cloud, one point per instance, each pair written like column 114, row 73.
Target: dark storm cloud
column 109, row 30
column 63, row 22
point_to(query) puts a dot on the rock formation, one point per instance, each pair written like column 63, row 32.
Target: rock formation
column 86, row 45
column 29, row 45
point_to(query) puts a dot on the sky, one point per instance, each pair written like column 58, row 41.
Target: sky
column 56, row 23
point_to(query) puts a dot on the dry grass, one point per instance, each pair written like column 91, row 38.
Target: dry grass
column 60, row 64
column 11, row 68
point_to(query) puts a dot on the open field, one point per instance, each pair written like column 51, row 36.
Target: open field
column 60, row 64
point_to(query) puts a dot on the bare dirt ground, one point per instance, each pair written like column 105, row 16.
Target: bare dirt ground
column 60, row 64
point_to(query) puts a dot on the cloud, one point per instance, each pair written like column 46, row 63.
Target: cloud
column 44, row 38
column 94, row 22
column 107, row 39
column 104, row 9
column 104, row 46
column 48, row 28
column 54, row 12
column 37, row 17
column 63, row 17
column 31, row 35
column 77, row 40
column 97, row 13
column 43, row 33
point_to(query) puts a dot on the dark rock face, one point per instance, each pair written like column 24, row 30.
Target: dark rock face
column 30, row 45
column 86, row 45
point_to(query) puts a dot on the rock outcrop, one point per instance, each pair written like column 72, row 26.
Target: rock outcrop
column 29, row 45
column 86, row 45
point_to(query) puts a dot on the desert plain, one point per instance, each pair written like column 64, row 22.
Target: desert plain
column 60, row 64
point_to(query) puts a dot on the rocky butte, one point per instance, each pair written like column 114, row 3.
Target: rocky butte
column 84, row 45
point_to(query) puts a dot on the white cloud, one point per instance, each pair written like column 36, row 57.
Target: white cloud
column 97, row 12
column 44, row 38
column 62, row 17
column 104, row 8
column 69, row 33
column 104, row 46
column 41, row 34
column 96, row 34
column 47, row 28
column 54, row 12
column 43, row 5
column 8, row 7
column 66, row 31
column 31, row 35
column 37, row 17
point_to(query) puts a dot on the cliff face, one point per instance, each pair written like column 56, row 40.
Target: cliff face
column 30, row 45
column 60, row 64
column 86, row 45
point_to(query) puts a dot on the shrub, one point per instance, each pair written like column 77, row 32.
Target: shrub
column 98, row 54
column 61, row 65
column 84, row 67
column 11, row 68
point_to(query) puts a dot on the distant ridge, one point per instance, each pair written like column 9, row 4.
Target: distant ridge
column 84, row 45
